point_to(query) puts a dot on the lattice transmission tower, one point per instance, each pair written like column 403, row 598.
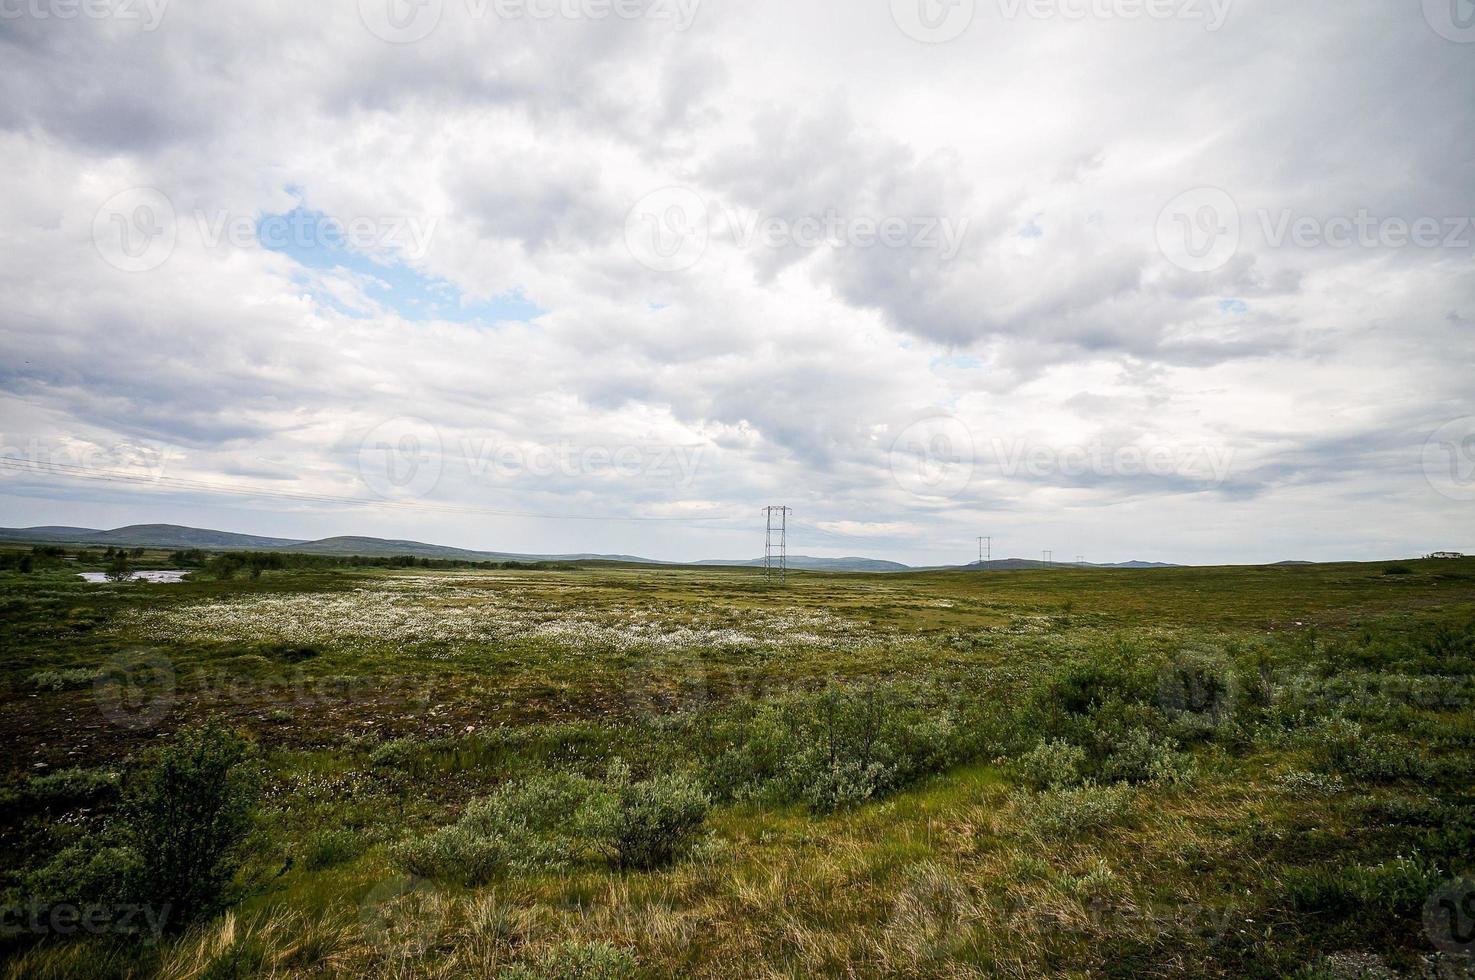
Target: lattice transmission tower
column 776, row 546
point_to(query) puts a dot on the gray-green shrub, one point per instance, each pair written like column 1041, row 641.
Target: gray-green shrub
column 1052, row 764
column 644, row 824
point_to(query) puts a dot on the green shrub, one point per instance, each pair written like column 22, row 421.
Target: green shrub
column 456, row 853
column 1140, row 756
column 1065, row 811
column 841, row 746
column 548, row 821
column 1083, row 687
column 645, row 824
column 93, row 871
column 526, row 825
column 1344, row 746
column 62, row 680
column 1053, row 764
column 65, row 789
column 1396, row 889
column 187, row 811
column 330, row 847
column 1299, row 782
column 1197, row 684
column 577, row 961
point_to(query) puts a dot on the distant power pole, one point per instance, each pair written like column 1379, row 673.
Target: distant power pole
column 1080, row 559
column 985, row 549
column 776, row 545
column 1048, row 555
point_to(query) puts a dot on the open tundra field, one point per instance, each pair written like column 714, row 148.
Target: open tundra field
column 606, row 771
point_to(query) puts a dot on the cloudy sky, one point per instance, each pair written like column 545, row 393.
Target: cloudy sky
column 1180, row 280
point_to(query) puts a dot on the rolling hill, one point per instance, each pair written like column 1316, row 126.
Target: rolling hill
column 175, row 536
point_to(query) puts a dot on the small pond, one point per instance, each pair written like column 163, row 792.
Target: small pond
column 166, row 576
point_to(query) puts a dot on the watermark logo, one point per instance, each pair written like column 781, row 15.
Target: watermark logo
column 933, row 457
column 1212, row 13
column 400, row 21
column 40, row 918
column 1449, row 917
column 135, row 689
column 401, row 458
column 1364, row 230
column 138, row 229
column 135, row 229
column 1022, row 458
column 1449, row 459
column 941, row 234
column 408, row 21
column 1453, row 20
column 668, row 230
column 933, row 21
column 137, row 461
column 1199, row 230
column 394, row 912
column 409, row 235
column 147, row 13
column 487, row 459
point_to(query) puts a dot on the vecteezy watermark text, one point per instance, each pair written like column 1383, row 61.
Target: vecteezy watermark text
column 937, row 455
column 1019, row 457
column 40, row 918
column 141, row 461
column 1202, row 229
column 408, row 21
column 939, row 21
column 137, row 230
column 669, row 230
column 405, row 457
column 147, row 13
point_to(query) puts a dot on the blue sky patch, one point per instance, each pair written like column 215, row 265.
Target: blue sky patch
column 371, row 250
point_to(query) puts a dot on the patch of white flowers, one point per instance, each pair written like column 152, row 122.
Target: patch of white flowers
column 490, row 609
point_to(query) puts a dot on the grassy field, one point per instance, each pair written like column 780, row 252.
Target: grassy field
column 632, row 772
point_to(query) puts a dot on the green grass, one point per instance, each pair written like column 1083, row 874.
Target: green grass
column 1267, row 766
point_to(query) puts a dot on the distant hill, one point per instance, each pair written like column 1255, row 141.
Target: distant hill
column 146, row 536
column 1022, row 564
column 382, row 547
column 177, row 536
column 816, row 564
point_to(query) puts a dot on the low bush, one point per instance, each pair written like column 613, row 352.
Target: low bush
column 187, row 812
column 1344, row 746
column 1197, row 684
column 1140, row 756
column 645, row 824
column 63, row 790
column 1053, row 764
column 1299, row 782
column 1071, row 810
column 1396, row 889
column 829, row 750
column 548, row 821
column 577, row 961
column 62, row 680
column 177, row 839
column 522, row 826
column 330, row 847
